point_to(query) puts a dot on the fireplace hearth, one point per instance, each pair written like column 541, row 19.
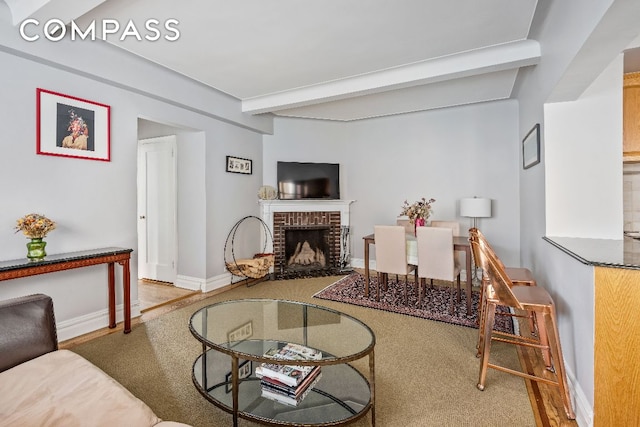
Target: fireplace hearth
column 310, row 238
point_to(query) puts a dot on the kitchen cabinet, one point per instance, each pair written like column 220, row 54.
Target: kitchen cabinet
column 631, row 117
column 617, row 339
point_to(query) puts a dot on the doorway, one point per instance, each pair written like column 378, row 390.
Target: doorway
column 157, row 209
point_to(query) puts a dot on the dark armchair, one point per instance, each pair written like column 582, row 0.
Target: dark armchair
column 27, row 329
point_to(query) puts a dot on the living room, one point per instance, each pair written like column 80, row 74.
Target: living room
column 447, row 154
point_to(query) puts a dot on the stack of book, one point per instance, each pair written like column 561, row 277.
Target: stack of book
column 289, row 384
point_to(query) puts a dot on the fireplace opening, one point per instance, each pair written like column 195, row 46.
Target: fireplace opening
column 307, row 249
column 307, row 244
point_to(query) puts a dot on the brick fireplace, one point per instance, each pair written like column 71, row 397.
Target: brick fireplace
column 310, row 237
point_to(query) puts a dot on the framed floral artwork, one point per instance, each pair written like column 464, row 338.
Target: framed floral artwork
column 68, row 126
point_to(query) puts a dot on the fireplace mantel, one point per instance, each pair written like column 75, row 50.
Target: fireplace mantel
column 269, row 207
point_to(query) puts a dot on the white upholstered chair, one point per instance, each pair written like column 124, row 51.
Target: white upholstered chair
column 406, row 223
column 391, row 256
column 436, row 258
column 455, row 226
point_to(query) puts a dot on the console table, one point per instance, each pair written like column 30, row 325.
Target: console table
column 24, row 267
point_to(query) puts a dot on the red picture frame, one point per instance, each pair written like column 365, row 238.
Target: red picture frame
column 68, row 126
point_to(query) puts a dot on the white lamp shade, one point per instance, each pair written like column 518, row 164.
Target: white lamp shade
column 475, row 207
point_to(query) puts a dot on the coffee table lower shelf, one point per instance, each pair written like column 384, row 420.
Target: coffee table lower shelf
column 341, row 396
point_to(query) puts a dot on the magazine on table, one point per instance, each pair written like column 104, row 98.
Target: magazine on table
column 294, row 352
column 291, row 375
column 288, row 374
column 306, row 352
column 289, row 400
column 275, row 385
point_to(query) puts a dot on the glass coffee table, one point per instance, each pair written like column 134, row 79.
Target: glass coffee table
column 235, row 336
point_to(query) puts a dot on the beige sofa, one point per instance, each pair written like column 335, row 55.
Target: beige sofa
column 43, row 386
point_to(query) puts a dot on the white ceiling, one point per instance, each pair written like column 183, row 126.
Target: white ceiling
column 330, row 59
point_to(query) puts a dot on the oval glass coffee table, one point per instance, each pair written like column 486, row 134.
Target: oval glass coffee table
column 235, row 336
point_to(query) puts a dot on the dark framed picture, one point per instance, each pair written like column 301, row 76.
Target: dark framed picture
column 239, row 165
column 245, row 370
column 531, row 148
column 68, row 126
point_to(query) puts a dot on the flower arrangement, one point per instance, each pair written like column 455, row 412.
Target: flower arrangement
column 35, row 226
column 420, row 209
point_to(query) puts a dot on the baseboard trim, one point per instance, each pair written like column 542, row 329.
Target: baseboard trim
column 217, row 282
column 582, row 407
column 90, row 322
column 204, row 285
column 191, row 283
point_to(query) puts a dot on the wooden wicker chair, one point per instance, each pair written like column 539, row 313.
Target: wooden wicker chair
column 500, row 290
column 517, row 275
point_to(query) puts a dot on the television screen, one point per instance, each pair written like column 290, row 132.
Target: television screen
column 308, row 180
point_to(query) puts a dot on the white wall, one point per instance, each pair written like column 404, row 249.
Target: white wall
column 571, row 284
column 578, row 44
column 445, row 154
column 94, row 203
column 583, row 201
column 586, row 199
column 225, row 190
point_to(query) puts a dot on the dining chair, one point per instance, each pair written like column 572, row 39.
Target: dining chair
column 406, row 223
column 480, row 247
column 500, row 291
column 455, row 226
column 518, row 275
column 436, row 259
column 391, row 256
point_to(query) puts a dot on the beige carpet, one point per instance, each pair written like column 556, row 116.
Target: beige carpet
column 426, row 371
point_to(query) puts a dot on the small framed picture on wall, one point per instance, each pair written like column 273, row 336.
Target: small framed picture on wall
column 531, row 148
column 239, row 165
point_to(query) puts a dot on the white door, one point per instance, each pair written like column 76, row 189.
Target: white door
column 157, row 209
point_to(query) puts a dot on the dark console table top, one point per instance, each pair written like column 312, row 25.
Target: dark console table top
column 20, row 263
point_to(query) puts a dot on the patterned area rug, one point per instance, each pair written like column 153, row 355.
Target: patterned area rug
column 435, row 305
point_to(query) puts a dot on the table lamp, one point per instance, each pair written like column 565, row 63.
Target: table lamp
column 476, row 207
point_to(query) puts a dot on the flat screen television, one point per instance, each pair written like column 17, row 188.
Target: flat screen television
column 308, row 180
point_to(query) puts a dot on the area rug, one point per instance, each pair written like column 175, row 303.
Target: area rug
column 435, row 304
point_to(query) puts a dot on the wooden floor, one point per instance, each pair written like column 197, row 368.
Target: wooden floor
column 157, row 298
column 153, row 294
column 545, row 399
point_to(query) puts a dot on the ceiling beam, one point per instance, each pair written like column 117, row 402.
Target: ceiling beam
column 495, row 58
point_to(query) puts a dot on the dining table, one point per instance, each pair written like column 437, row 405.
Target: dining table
column 460, row 243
